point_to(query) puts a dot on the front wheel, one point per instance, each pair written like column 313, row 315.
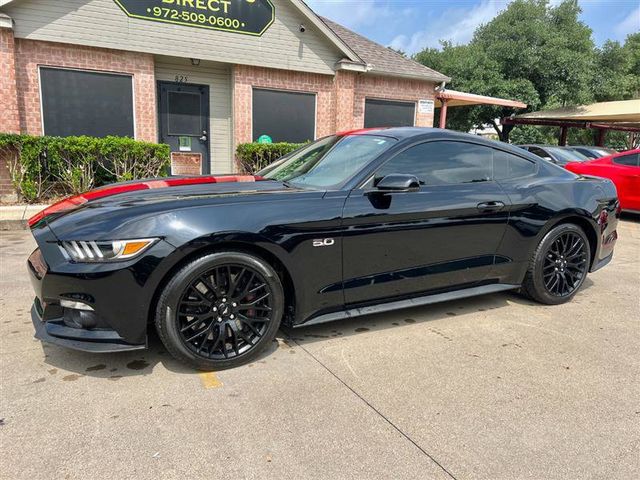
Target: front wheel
column 221, row 310
column 559, row 265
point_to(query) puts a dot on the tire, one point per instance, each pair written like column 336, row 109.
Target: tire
column 559, row 265
column 220, row 311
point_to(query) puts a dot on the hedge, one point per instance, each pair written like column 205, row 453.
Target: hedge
column 253, row 157
column 45, row 167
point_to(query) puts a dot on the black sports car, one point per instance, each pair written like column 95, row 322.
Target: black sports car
column 356, row 223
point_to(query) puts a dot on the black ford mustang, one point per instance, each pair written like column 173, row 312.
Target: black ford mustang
column 355, row 223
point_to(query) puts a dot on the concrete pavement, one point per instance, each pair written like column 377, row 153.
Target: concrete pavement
column 494, row 387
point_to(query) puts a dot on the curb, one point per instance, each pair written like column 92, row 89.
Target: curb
column 12, row 225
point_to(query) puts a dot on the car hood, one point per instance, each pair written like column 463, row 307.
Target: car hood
column 153, row 197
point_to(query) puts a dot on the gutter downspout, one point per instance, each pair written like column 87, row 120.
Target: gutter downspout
column 443, row 109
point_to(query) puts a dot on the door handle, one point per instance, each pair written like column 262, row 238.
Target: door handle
column 204, row 136
column 494, row 206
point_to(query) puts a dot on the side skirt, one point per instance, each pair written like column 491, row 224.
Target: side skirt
column 411, row 302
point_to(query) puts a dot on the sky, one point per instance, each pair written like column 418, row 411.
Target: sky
column 411, row 25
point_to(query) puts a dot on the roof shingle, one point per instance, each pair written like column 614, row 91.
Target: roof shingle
column 383, row 60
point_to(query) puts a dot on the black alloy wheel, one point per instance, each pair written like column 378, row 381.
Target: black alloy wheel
column 565, row 264
column 221, row 310
column 225, row 311
column 559, row 265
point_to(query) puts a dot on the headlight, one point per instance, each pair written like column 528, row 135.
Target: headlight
column 106, row 251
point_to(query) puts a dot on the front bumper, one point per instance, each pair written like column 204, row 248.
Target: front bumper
column 119, row 296
column 95, row 341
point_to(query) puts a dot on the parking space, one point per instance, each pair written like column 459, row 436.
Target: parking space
column 492, row 387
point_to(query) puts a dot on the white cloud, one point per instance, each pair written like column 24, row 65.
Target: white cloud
column 631, row 24
column 358, row 13
column 454, row 24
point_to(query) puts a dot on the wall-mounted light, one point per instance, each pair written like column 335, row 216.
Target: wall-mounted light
column 195, row 62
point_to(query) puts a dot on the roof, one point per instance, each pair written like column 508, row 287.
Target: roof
column 621, row 111
column 383, row 60
column 359, row 51
column 458, row 99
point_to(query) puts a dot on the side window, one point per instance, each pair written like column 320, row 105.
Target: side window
column 442, row 163
column 507, row 165
column 628, row 160
column 539, row 152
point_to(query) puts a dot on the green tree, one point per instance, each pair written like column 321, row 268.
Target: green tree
column 617, row 72
column 533, row 52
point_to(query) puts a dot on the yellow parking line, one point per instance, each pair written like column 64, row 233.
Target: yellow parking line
column 210, row 380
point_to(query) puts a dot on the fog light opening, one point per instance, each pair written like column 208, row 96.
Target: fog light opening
column 76, row 305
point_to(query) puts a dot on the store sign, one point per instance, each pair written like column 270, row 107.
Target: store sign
column 249, row 17
column 425, row 107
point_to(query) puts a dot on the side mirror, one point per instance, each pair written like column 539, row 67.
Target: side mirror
column 396, row 182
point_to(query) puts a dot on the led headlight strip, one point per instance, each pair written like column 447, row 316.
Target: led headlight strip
column 105, row 251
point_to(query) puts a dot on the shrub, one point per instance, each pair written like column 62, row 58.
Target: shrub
column 45, row 167
column 253, row 157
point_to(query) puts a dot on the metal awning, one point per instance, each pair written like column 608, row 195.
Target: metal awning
column 627, row 111
column 453, row 98
column 623, row 115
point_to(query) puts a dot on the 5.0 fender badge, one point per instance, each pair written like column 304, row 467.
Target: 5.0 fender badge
column 326, row 242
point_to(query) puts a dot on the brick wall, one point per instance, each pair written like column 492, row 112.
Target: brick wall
column 340, row 100
column 246, row 77
column 30, row 54
column 388, row 88
column 9, row 116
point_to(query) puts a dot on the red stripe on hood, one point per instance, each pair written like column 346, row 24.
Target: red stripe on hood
column 74, row 202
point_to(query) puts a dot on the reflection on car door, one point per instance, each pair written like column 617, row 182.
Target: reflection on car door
column 446, row 234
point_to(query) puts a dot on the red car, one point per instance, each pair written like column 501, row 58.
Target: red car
column 623, row 169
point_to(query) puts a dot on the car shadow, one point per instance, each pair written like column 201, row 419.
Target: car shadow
column 114, row 366
column 414, row 315
column 630, row 217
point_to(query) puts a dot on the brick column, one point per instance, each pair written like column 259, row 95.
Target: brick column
column 9, row 113
column 345, row 84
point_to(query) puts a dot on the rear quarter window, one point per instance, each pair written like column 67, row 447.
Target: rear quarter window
column 507, row 166
column 632, row 160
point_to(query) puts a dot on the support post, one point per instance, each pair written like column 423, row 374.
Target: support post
column 602, row 133
column 443, row 113
column 563, row 136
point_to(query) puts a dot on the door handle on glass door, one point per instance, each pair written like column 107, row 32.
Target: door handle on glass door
column 490, row 206
column 204, row 136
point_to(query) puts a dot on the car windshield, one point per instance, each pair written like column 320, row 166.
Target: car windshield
column 567, row 155
column 576, row 154
column 329, row 162
column 604, row 152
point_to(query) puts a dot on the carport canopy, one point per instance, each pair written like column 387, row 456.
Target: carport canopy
column 454, row 98
column 621, row 115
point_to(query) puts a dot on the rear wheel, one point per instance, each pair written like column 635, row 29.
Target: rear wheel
column 559, row 265
column 221, row 310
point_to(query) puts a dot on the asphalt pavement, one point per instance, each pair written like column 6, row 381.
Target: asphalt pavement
column 494, row 387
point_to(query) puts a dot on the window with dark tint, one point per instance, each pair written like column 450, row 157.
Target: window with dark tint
column 632, row 160
column 442, row 163
column 86, row 103
column 284, row 116
column 539, row 152
column 385, row 113
column 507, row 165
column 184, row 113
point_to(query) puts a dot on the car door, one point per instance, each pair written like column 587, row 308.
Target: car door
column 443, row 235
column 624, row 170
